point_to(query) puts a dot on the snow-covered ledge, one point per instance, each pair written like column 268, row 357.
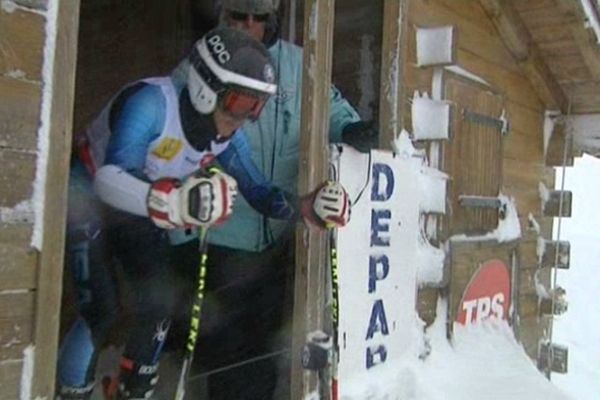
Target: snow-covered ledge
column 586, row 133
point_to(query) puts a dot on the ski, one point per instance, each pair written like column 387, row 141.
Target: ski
column 195, row 316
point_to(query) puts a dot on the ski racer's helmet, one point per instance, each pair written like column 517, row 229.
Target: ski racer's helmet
column 255, row 7
column 230, row 70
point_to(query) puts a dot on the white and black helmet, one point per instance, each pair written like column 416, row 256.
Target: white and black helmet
column 228, row 68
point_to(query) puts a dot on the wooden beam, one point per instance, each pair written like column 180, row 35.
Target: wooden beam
column 49, row 288
column 310, row 274
column 584, row 37
column 519, row 42
column 392, row 96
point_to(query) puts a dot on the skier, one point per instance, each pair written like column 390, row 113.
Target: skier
column 251, row 256
column 141, row 175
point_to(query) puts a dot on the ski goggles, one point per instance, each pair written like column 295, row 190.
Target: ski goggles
column 242, row 104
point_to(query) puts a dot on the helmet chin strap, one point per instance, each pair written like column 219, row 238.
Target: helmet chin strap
column 199, row 129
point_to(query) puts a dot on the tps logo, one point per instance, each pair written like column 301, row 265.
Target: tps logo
column 487, row 295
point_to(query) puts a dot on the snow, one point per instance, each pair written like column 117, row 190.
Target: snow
column 482, row 361
column 592, row 20
column 509, row 227
column 586, row 132
column 579, row 328
column 435, row 46
column 432, row 183
column 430, row 263
column 10, row 6
column 27, row 372
column 39, row 185
column 430, row 118
column 21, row 213
column 466, row 74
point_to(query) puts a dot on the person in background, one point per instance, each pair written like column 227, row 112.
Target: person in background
column 251, row 255
column 141, row 174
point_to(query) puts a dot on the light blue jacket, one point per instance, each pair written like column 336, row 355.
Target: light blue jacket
column 274, row 140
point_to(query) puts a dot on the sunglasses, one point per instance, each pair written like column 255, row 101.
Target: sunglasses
column 240, row 17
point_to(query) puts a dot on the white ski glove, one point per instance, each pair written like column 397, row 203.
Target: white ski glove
column 203, row 199
column 327, row 207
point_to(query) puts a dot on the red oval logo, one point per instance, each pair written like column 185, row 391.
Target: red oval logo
column 487, row 295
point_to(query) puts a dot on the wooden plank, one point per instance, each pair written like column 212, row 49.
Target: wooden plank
column 15, row 336
column 21, row 43
column 474, row 35
column 560, row 148
column 310, row 277
column 530, row 5
column 50, row 269
column 585, row 97
column 522, row 174
column 16, row 303
column 16, row 175
column 515, row 86
column 19, row 113
column 518, row 40
column 10, row 384
column 549, row 16
column 427, row 298
column 37, row 4
column 392, row 93
column 553, row 207
column 583, row 37
column 18, row 262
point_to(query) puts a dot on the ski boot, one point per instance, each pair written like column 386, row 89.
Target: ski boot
column 74, row 393
column 135, row 382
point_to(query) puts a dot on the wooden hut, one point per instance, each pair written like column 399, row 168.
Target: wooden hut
column 517, row 72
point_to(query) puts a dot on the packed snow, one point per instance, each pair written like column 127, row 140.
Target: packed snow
column 481, row 362
column 435, row 46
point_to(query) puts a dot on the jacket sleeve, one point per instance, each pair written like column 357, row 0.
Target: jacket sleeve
column 341, row 114
column 137, row 119
column 261, row 194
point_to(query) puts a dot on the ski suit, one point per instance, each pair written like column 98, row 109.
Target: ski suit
column 251, row 256
column 141, row 131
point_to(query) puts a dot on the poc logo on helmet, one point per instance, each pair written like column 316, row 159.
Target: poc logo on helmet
column 218, row 47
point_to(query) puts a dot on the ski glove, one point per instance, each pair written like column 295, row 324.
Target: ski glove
column 327, row 207
column 203, row 199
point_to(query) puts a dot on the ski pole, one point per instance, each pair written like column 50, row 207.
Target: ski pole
column 195, row 316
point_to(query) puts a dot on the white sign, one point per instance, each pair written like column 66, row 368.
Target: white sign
column 377, row 261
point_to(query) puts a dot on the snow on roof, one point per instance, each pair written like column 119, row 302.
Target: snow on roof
column 590, row 7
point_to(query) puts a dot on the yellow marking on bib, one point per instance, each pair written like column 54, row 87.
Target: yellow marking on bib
column 168, row 149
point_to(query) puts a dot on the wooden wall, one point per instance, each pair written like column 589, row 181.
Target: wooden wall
column 22, row 38
column 481, row 51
